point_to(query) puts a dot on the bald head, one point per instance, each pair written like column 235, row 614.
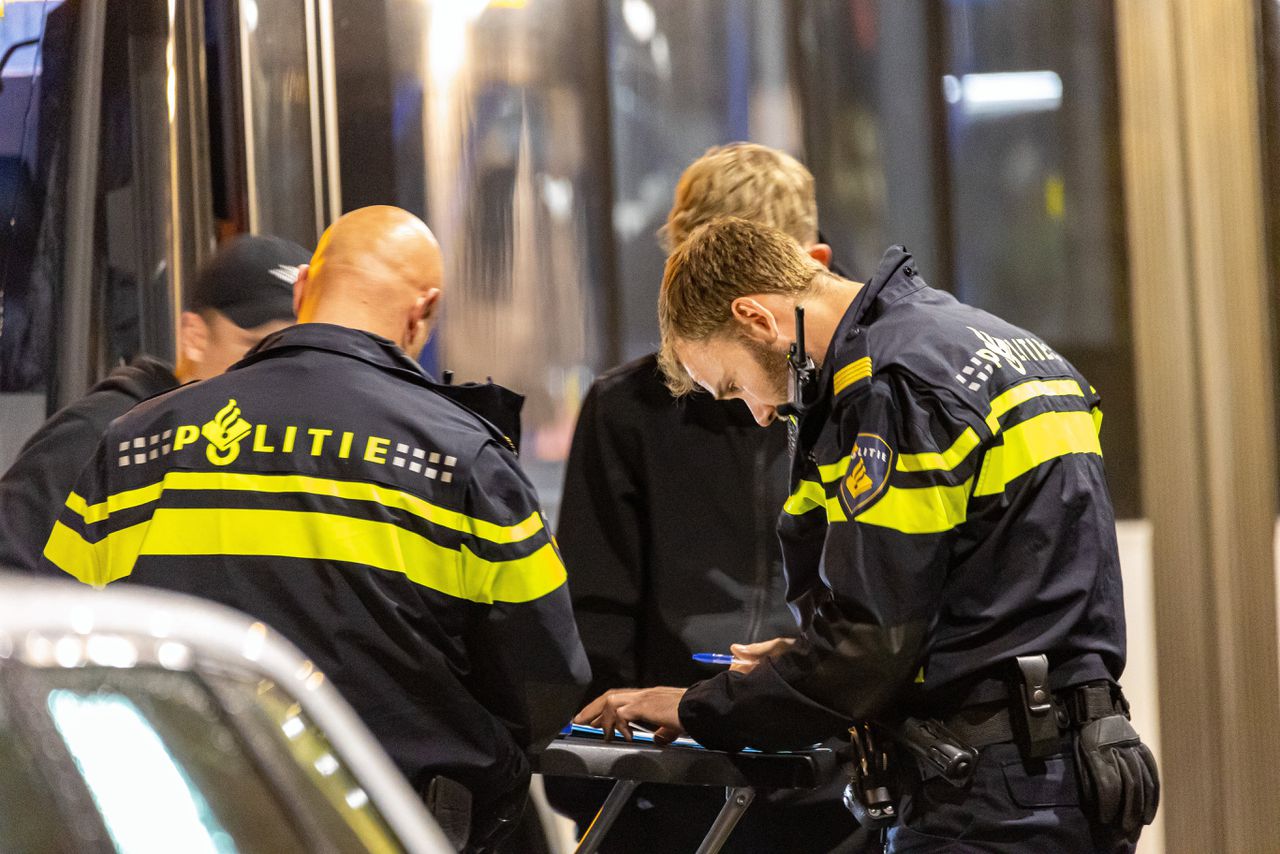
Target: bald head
column 378, row 269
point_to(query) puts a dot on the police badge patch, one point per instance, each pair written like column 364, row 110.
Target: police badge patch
column 870, row 462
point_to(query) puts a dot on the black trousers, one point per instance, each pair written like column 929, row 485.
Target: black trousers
column 1009, row 806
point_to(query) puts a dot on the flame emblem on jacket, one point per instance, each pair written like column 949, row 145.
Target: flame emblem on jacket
column 224, row 432
column 857, row 482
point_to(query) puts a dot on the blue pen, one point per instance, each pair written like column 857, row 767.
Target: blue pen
column 717, row 658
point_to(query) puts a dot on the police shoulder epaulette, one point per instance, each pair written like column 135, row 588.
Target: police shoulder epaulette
column 853, row 367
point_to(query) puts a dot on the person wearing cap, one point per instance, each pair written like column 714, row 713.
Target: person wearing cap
column 243, row 294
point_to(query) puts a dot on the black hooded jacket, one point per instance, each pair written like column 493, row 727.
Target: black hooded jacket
column 667, row 529
column 35, row 488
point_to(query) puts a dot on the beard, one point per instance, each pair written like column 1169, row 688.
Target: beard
column 774, row 367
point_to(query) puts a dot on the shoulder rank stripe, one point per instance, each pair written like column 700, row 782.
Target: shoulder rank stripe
column 850, row 374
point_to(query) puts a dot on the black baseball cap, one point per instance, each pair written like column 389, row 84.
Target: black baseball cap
column 250, row 280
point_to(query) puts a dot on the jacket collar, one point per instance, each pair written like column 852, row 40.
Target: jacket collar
column 495, row 405
column 894, row 279
column 352, row 343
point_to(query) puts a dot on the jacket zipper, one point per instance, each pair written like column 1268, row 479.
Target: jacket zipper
column 763, row 579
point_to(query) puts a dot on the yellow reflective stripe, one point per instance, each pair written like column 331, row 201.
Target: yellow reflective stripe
column 851, row 373
column 316, row 536
column 95, row 563
column 360, row 491
column 1023, row 392
column 1035, row 441
column 521, row 580
column 915, row 510
column 347, row 489
column 1097, row 420
column 945, row 461
column 91, row 513
column 919, row 510
column 836, row 470
column 809, row 495
column 328, row 536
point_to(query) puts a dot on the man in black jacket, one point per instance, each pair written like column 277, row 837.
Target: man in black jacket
column 240, row 296
column 667, row 529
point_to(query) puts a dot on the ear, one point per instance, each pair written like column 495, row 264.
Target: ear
column 755, row 319
column 193, row 337
column 420, row 320
column 430, row 302
column 300, row 286
column 821, row 253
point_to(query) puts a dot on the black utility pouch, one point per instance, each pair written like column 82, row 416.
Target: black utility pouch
column 1118, row 777
column 450, row 803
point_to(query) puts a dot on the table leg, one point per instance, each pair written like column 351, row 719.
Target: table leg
column 736, row 801
column 609, row 812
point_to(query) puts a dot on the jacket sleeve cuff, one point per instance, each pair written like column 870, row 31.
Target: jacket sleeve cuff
column 731, row 711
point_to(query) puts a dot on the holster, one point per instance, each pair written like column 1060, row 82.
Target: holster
column 872, row 792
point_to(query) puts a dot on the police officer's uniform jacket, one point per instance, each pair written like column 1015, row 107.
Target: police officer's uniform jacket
column 948, row 512
column 328, row 487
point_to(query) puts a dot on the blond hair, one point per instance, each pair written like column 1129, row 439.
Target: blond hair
column 722, row 260
column 743, row 179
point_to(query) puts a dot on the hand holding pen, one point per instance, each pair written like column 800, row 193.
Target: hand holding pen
column 717, row 658
column 745, row 656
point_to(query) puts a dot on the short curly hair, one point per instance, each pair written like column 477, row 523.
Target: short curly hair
column 745, row 180
column 722, row 260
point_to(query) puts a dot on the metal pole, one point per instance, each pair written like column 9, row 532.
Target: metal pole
column 74, row 368
column 252, row 209
column 1194, row 204
column 329, row 107
column 191, row 195
column 609, row 812
column 600, row 142
column 736, row 801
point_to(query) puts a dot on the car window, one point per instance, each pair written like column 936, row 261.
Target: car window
column 22, row 787
column 314, row 770
column 164, row 766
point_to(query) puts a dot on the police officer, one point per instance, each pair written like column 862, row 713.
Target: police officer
column 949, row 544
column 328, row 487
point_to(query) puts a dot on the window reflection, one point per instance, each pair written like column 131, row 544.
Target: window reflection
column 277, row 84
column 341, row 809
column 162, row 766
column 25, row 288
column 866, row 71
column 148, row 803
column 684, row 75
